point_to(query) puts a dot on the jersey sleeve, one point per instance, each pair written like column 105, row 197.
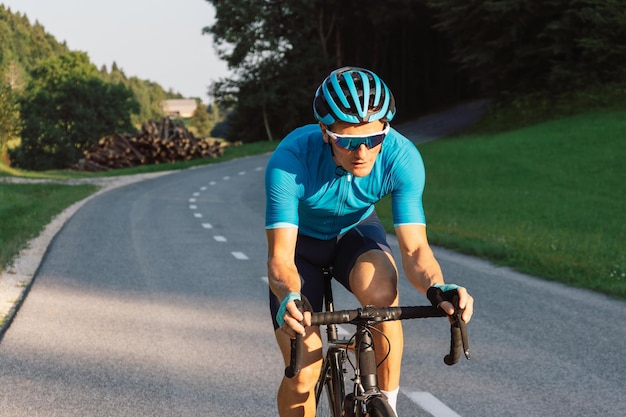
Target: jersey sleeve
column 282, row 190
column 409, row 180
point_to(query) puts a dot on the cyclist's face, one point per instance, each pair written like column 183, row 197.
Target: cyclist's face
column 358, row 162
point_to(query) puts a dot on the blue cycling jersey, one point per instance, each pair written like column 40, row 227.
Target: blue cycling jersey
column 305, row 188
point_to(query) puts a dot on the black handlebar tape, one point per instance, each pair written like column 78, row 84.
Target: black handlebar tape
column 464, row 338
column 458, row 331
column 295, row 361
column 456, row 345
column 377, row 314
column 296, row 357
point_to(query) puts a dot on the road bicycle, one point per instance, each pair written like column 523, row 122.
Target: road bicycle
column 355, row 356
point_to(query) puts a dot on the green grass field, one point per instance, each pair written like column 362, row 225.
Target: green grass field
column 25, row 209
column 547, row 199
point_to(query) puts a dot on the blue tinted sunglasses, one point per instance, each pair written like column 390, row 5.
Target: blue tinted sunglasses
column 353, row 142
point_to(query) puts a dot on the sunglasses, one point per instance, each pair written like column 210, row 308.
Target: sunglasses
column 354, row 142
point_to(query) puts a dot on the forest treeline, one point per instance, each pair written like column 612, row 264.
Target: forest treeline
column 432, row 53
column 60, row 104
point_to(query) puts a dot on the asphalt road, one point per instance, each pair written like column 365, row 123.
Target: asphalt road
column 151, row 302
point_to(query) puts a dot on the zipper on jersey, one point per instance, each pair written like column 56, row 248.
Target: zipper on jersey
column 344, row 189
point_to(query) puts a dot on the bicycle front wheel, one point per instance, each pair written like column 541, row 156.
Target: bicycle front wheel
column 379, row 407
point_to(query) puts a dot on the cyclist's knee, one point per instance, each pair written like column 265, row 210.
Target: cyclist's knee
column 374, row 279
column 380, row 296
column 305, row 381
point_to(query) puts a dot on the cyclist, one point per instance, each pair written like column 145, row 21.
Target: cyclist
column 321, row 185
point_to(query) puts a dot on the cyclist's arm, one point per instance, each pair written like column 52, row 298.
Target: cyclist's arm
column 283, row 275
column 418, row 260
column 421, row 267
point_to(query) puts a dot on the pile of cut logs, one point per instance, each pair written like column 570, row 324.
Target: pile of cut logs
column 156, row 143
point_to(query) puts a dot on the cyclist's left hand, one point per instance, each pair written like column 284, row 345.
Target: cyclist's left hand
column 466, row 302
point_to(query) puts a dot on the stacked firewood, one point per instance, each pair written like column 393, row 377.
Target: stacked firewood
column 156, row 143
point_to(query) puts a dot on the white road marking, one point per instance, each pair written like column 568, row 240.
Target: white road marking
column 192, row 200
column 240, row 255
column 226, row 178
column 219, row 238
column 266, row 280
column 197, row 215
column 203, row 188
column 196, row 194
column 212, row 183
column 242, row 173
column 258, row 169
column 207, row 225
column 193, row 207
column 431, row 404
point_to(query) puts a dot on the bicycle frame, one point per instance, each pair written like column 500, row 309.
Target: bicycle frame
column 334, row 358
column 367, row 397
column 365, row 378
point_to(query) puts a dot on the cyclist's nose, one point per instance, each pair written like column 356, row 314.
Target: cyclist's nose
column 362, row 149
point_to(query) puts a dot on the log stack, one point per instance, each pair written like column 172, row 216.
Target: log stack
column 156, row 143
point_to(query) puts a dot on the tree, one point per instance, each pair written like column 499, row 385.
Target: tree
column 66, row 108
column 281, row 50
column 533, row 46
column 201, row 121
column 9, row 119
column 270, row 45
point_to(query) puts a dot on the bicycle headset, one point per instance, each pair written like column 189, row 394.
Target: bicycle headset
column 353, row 95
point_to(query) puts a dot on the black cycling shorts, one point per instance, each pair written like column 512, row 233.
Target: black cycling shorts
column 341, row 253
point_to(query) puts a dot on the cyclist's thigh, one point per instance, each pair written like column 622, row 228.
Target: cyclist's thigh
column 368, row 236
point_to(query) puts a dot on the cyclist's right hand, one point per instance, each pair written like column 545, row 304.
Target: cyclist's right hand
column 294, row 314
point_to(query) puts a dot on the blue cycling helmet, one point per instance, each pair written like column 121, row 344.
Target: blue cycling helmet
column 353, row 95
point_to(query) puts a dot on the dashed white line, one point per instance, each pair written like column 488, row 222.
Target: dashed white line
column 240, row 255
column 196, row 194
column 203, row 188
column 431, row 404
column 192, row 200
column 212, row 183
column 193, row 206
column 219, row 238
column 197, row 215
column 207, row 225
column 226, row 178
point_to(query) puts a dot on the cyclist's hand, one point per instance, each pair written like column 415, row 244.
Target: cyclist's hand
column 466, row 301
column 290, row 318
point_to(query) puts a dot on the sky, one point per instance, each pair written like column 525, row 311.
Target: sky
column 156, row 40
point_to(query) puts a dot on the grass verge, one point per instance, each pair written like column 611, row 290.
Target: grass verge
column 547, row 199
column 25, row 209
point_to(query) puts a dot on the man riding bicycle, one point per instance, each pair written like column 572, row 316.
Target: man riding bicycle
column 321, row 183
